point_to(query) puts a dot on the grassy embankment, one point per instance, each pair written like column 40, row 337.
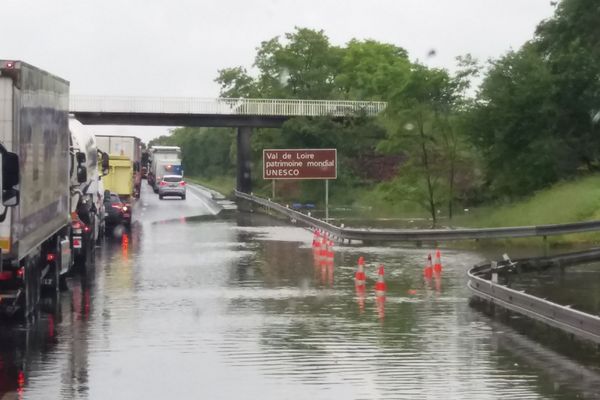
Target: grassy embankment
column 222, row 184
column 572, row 201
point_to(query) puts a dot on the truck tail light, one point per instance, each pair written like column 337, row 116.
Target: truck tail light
column 77, row 226
column 51, row 257
column 20, row 272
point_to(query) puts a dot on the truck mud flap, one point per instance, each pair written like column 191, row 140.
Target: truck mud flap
column 9, row 303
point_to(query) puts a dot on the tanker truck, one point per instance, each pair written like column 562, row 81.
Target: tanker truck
column 35, row 224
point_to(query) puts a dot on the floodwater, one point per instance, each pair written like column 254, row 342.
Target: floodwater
column 579, row 286
column 241, row 307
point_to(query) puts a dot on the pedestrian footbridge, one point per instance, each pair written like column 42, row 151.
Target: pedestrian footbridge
column 215, row 112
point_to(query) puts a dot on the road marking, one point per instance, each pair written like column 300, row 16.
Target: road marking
column 210, row 209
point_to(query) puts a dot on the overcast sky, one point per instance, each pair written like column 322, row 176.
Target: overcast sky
column 175, row 47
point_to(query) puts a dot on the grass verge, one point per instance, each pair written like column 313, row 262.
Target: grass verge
column 222, row 184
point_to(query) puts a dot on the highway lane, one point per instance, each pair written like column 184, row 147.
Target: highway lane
column 192, row 303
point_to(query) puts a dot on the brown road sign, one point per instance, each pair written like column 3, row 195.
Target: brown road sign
column 299, row 164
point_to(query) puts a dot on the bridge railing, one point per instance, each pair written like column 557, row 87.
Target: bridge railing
column 223, row 106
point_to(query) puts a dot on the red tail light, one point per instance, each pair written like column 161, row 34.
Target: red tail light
column 51, row 257
column 78, row 226
column 182, row 183
column 21, row 272
column 163, row 183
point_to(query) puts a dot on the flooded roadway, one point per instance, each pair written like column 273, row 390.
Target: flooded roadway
column 239, row 308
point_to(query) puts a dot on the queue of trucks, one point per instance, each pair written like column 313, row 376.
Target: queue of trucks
column 56, row 178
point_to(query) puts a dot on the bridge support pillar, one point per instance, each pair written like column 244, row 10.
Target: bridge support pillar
column 244, row 159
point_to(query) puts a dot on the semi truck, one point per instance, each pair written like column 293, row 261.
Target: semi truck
column 164, row 160
column 87, row 205
column 128, row 146
column 35, row 225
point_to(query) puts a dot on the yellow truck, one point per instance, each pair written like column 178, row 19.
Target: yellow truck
column 120, row 177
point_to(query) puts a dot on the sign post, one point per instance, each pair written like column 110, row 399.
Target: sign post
column 301, row 164
column 326, row 199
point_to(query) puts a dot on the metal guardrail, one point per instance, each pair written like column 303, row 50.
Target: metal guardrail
column 563, row 317
column 424, row 235
column 223, row 106
column 581, row 324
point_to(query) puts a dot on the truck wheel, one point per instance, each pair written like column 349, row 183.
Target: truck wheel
column 31, row 288
column 183, row 197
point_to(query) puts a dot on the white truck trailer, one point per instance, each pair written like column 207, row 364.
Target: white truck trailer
column 164, row 160
column 34, row 235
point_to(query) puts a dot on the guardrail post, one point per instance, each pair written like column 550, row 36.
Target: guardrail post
column 546, row 245
column 494, row 269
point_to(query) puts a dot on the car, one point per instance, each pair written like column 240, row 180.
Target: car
column 117, row 211
column 171, row 185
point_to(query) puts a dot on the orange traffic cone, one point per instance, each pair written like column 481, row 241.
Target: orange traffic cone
column 359, row 277
column 380, row 286
column 428, row 270
column 317, row 242
column 437, row 266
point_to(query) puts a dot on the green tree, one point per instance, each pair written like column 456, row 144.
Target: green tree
column 370, row 69
column 235, row 82
column 568, row 45
column 512, row 123
column 534, row 118
column 420, row 122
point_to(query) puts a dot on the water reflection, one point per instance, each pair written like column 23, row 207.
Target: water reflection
column 240, row 309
